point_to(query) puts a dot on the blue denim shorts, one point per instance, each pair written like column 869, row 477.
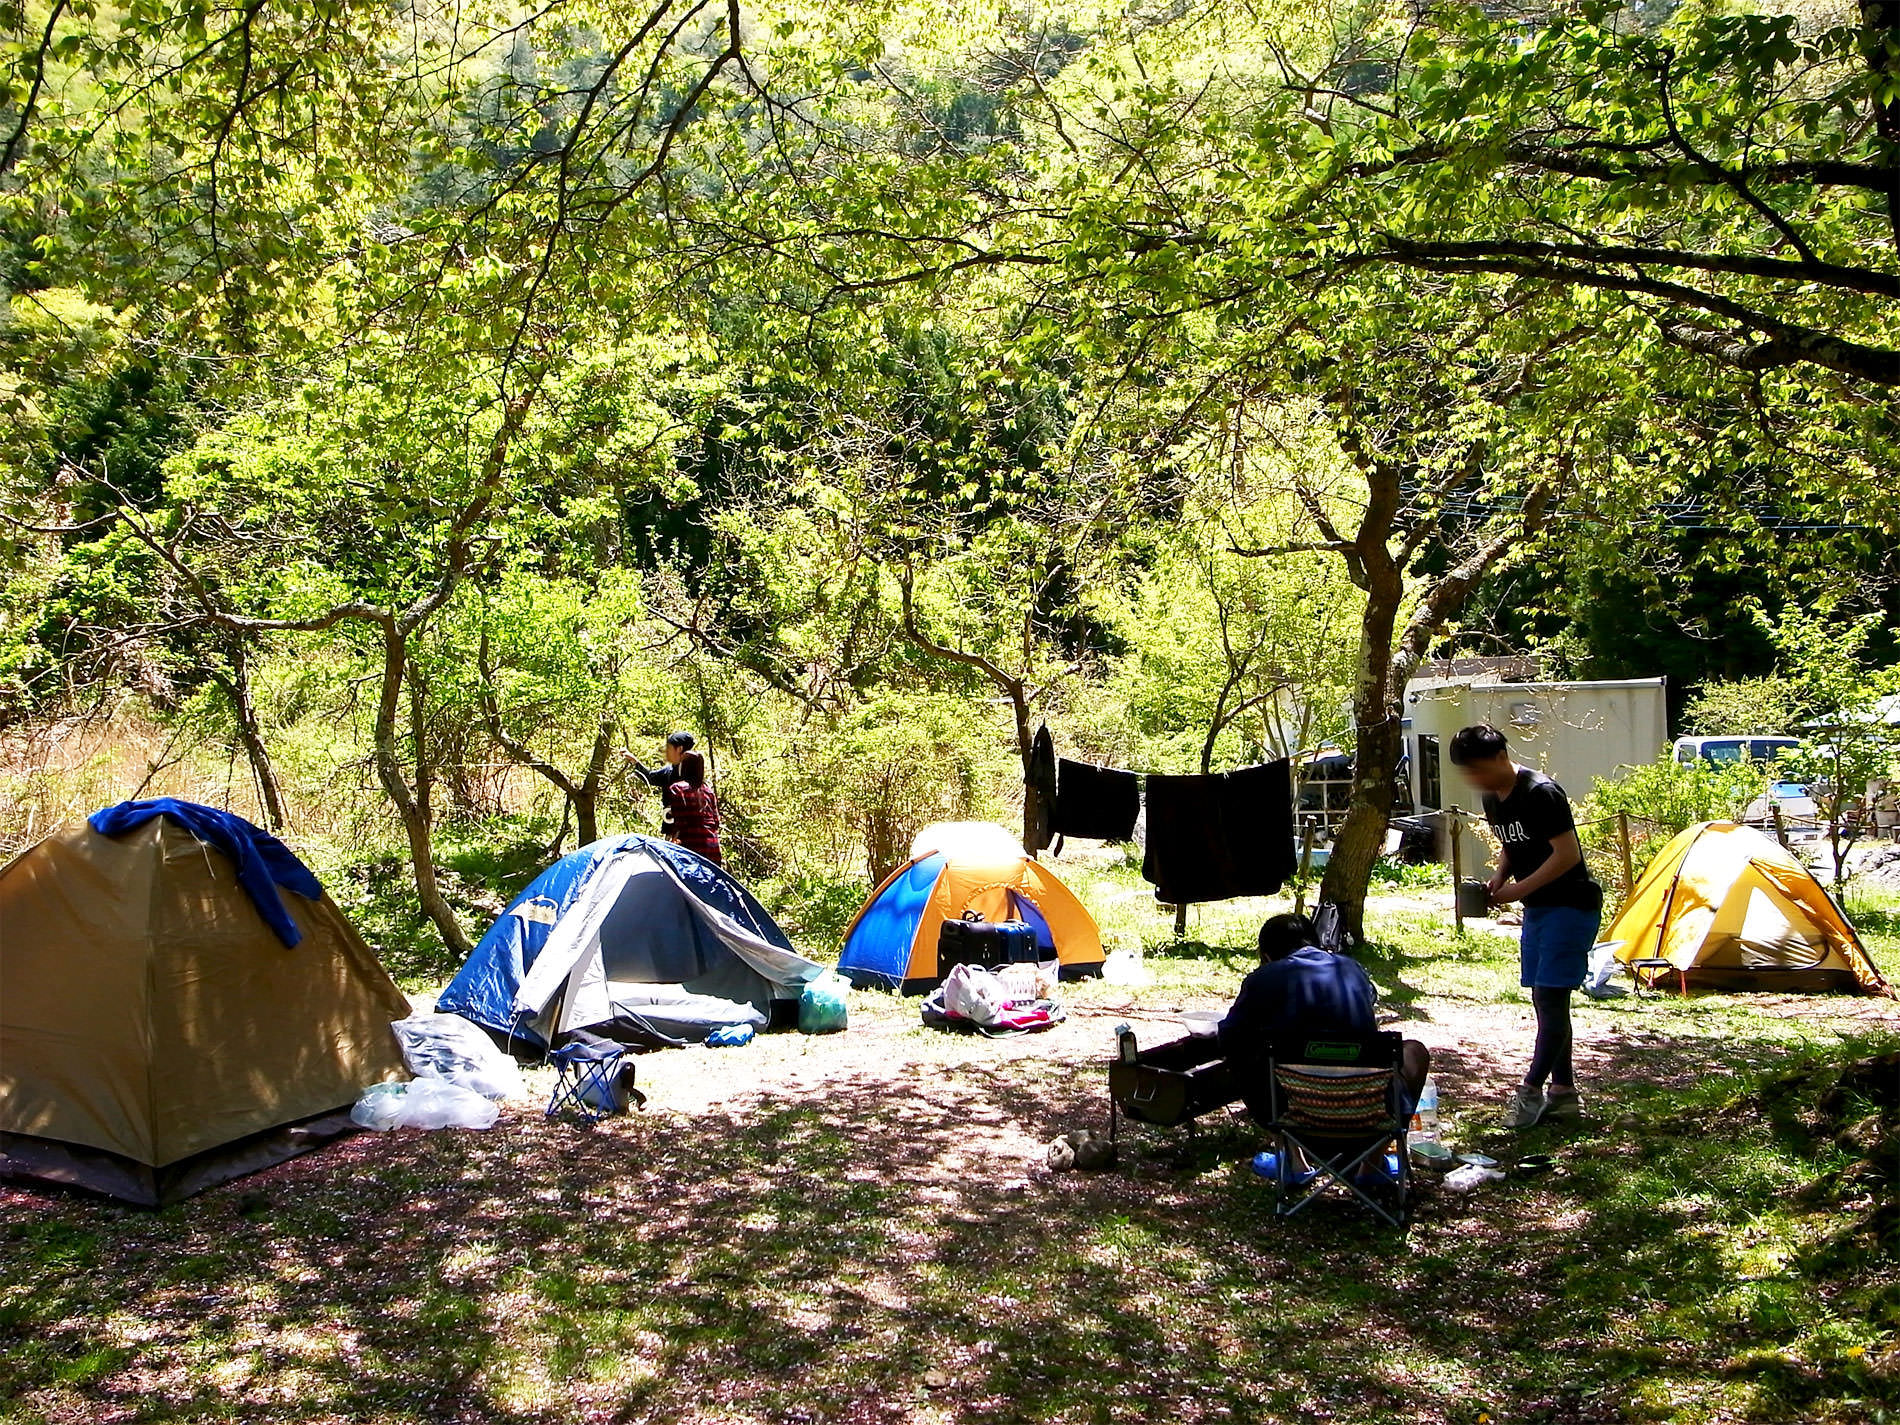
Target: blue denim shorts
column 1554, row 952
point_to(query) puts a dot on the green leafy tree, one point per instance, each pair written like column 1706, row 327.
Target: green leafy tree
column 1742, row 707
column 1655, row 801
column 1850, row 739
column 1226, row 655
column 557, row 663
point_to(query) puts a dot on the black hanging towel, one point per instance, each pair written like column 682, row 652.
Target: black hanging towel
column 1040, row 779
column 1101, row 803
column 1216, row 837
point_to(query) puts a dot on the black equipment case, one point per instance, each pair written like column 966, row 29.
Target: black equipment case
column 988, row 943
column 1174, row 1083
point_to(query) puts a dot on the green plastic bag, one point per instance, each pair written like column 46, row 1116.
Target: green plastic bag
column 823, row 1008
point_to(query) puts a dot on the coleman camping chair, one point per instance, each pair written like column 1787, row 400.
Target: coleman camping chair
column 1340, row 1103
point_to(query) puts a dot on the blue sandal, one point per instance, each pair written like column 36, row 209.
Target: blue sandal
column 1267, row 1165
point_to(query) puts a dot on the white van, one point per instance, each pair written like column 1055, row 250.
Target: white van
column 1723, row 750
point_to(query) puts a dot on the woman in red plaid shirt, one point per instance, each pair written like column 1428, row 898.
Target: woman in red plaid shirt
column 692, row 811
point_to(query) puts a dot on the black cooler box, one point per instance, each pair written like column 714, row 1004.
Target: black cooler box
column 1174, row 1082
column 988, row 943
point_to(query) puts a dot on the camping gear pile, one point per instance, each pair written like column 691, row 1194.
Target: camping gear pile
column 460, row 1077
column 977, row 1000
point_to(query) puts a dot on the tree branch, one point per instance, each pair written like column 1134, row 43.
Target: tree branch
column 1003, row 680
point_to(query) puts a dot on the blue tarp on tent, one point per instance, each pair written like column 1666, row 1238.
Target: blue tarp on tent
column 669, row 945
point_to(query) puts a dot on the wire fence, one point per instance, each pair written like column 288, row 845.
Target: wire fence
column 1615, row 848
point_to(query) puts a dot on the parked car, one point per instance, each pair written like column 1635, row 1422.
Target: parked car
column 1723, row 750
column 1799, row 815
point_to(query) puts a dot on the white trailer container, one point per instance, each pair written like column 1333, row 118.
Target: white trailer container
column 1579, row 734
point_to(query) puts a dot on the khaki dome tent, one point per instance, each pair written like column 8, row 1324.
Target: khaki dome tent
column 156, row 1036
column 1729, row 908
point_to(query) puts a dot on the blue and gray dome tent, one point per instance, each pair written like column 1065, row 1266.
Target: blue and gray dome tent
column 631, row 928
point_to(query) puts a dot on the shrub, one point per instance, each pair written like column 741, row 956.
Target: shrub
column 1660, row 799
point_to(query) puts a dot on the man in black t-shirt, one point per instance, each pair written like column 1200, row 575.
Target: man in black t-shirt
column 1540, row 863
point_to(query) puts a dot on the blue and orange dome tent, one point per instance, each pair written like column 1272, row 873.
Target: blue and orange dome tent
column 956, row 867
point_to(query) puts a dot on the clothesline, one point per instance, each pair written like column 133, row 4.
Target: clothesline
column 1211, row 836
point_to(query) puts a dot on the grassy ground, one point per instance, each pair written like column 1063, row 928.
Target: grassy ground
column 860, row 1229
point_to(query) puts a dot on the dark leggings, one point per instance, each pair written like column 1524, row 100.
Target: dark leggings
column 1551, row 1058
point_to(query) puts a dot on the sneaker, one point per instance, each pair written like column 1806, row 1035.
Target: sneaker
column 1267, row 1165
column 1527, row 1106
column 1563, row 1104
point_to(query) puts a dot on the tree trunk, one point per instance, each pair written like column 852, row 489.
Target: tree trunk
column 1880, row 49
column 1015, row 687
column 1217, row 722
column 251, row 733
column 586, row 823
column 412, row 804
column 1377, row 745
column 585, row 798
column 1035, row 815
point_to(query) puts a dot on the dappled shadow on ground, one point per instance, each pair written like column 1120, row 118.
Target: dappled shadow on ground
column 885, row 1244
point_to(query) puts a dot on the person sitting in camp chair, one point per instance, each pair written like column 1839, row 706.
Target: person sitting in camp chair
column 1301, row 991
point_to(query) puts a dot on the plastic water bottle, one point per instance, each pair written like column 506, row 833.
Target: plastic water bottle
column 1125, row 1043
column 1425, row 1116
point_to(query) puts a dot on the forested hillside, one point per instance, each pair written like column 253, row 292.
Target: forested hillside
column 411, row 413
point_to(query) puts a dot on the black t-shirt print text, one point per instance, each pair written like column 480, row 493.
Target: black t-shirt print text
column 1526, row 822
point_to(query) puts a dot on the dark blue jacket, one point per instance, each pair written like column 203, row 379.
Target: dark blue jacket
column 1311, row 992
column 263, row 862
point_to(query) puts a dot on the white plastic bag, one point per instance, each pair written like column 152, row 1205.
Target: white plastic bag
column 1471, row 1175
column 975, row 993
column 1604, row 967
column 379, row 1107
column 1124, row 967
column 437, row 1103
column 447, row 1046
column 423, row 1103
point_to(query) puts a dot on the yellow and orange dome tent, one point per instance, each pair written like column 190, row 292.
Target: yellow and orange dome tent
column 956, row 867
column 1730, row 908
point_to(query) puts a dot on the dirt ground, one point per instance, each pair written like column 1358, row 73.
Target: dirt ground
column 862, row 1227
column 1478, row 1048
